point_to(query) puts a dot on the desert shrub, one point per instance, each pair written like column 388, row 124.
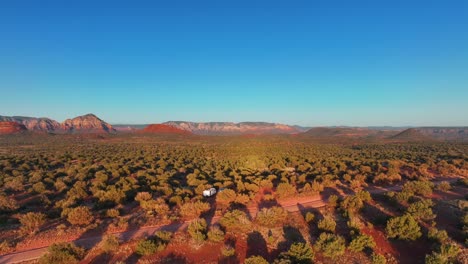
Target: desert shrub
column 331, row 245
column 112, row 213
column 300, row 253
column 361, row 242
column 110, row 243
column 285, row 190
column 327, row 224
column 447, row 253
column 157, row 206
column 7, row 204
column 32, row 222
column 146, row 247
column 403, row 227
column 333, row 201
column 439, row 236
column 421, row 210
column 351, row 204
column 192, row 210
column 39, row 187
column 228, row 251
column 309, row 217
column 62, row 253
column 271, row 217
column 163, row 236
column 197, row 230
column 143, row 196
column 80, row 216
column 365, row 196
column 402, row 197
column 378, row 259
column 215, row 234
column 423, row 188
column 235, row 221
column 225, row 197
column 444, row 186
column 255, row 260
column 5, row 247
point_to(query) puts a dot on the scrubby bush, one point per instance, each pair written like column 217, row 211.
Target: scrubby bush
column 62, row 253
column 423, row 188
column 351, row 204
column 192, row 210
column 228, row 251
column 421, row 210
column 197, row 230
column 255, row 260
column 439, row 236
column 271, row 217
column 444, row 186
column 80, row 216
column 215, row 234
column 32, row 222
column 403, row 227
column 330, row 245
column 309, row 217
column 146, row 247
column 110, row 243
column 378, row 259
column 285, row 190
column 163, row 236
column 361, row 242
column 7, row 204
column 327, row 224
column 225, row 197
column 112, row 213
column 300, row 253
column 447, row 254
column 333, row 201
column 235, row 221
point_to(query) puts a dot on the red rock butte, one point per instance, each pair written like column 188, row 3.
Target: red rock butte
column 165, row 129
column 11, row 127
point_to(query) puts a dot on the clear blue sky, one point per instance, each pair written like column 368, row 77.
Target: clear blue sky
column 309, row 63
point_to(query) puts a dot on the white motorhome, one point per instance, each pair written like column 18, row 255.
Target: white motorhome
column 209, row 192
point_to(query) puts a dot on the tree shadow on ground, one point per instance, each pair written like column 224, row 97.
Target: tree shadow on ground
column 313, row 229
column 291, row 235
column 327, row 192
column 231, row 242
column 256, row 245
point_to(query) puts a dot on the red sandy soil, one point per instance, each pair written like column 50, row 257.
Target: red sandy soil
column 11, row 127
column 164, row 129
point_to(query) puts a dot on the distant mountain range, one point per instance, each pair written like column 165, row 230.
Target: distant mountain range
column 81, row 124
column 229, row 128
column 92, row 124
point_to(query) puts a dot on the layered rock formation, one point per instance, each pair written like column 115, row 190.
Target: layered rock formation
column 8, row 127
column 87, row 123
column 165, row 129
column 34, row 124
column 229, row 128
column 82, row 124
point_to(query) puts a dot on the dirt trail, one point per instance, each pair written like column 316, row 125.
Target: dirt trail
column 291, row 205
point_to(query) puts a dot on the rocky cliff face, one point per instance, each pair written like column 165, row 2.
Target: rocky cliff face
column 7, row 127
column 87, row 123
column 82, row 124
column 228, row 128
column 164, row 129
column 34, row 124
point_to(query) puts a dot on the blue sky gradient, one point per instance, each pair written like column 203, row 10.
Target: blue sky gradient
column 310, row 63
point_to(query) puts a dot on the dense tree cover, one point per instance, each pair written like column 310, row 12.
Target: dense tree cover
column 80, row 181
